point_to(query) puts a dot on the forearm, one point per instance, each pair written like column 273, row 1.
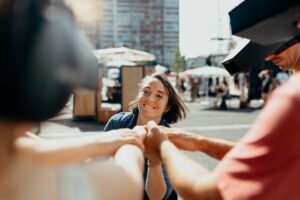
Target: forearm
column 213, row 147
column 183, row 171
column 131, row 159
column 113, row 179
column 69, row 150
column 155, row 184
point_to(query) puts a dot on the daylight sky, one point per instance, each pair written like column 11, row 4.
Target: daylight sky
column 201, row 20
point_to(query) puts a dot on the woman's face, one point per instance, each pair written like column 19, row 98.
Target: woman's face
column 288, row 59
column 153, row 100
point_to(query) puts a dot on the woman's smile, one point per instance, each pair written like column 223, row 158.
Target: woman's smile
column 148, row 106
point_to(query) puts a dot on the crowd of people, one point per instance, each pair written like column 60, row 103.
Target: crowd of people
column 219, row 89
column 270, row 81
column 144, row 151
column 190, row 89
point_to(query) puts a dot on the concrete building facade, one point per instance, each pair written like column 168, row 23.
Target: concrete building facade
column 148, row 25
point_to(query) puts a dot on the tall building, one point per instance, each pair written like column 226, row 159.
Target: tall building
column 220, row 36
column 148, row 25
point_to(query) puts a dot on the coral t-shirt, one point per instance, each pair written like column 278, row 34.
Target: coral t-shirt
column 265, row 164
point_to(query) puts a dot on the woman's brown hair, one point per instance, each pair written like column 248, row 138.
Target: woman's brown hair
column 176, row 109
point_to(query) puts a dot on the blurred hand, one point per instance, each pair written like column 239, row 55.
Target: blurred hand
column 152, row 143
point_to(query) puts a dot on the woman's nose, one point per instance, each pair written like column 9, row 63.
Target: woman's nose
column 151, row 98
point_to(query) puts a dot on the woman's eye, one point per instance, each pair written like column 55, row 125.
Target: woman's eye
column 159, row 96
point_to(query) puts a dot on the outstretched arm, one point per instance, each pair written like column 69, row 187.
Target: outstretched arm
column 118, row 178
column 190, row 179
column 77, row 149
column 184, row 140
column 131, row 159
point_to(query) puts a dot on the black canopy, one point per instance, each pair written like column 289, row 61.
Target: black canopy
column 265, row 21
column 268, row 24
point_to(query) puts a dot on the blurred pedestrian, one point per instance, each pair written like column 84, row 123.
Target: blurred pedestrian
column 180, row 86
column 281, row 77
column 223, row 94
column 268, row 84
column 194, row 88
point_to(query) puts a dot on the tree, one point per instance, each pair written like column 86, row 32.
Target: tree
column 179, row 63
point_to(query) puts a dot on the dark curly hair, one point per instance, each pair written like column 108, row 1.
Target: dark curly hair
column 177, row 110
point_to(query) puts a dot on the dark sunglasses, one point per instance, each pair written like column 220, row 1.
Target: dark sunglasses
column 287, row 45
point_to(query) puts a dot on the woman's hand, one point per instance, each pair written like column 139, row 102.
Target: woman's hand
column 153, row 141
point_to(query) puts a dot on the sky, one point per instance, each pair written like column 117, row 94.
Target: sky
column 201, row 20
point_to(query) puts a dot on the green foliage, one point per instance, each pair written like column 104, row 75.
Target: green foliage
column 179, row 63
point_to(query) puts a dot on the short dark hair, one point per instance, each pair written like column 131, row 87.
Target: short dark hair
column 177, row 110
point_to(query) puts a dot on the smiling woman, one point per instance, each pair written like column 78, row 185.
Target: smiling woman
column 156, row 101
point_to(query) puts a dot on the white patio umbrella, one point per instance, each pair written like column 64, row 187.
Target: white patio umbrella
column 160, row 69
column 207, row 71
column 123, row 53
column 119, row 63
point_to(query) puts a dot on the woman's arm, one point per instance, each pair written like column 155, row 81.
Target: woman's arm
column 155, row 184
column 77, row 149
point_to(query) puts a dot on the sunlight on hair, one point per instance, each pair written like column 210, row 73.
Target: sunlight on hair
column 85, row 11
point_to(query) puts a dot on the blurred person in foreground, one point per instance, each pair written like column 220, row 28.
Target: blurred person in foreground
column 43, row 58
column 265, row 163
column 157, row 100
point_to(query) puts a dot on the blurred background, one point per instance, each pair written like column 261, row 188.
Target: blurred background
column 184, row 39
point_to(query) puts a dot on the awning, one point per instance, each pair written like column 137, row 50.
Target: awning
column 265, row 22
